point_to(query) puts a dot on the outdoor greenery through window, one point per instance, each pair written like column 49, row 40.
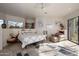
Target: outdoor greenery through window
column 14, row 24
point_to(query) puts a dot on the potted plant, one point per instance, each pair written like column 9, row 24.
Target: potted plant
column 3, row 25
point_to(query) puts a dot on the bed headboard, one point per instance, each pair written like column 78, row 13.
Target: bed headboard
column 29, row 31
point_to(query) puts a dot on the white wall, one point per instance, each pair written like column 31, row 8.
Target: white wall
column 0, row 39
column 47, row 22
column 30, row 20
column 5, row 36
column 2, row 16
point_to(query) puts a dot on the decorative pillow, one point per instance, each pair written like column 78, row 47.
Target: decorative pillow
column 12, row 35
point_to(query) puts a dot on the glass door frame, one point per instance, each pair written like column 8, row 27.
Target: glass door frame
column 68, row 35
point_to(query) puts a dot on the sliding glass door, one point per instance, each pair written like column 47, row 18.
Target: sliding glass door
column 73, row 30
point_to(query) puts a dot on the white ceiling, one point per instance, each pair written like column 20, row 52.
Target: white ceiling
column 34, row 10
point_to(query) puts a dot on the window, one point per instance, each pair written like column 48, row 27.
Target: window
column 14, row 24
column 20, row 24
column 1, row 22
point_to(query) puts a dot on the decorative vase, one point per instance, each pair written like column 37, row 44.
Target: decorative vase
column 3, row 25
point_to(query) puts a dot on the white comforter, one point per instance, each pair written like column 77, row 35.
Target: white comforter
column 30, row 38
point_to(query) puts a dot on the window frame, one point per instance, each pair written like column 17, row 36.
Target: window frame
column 15, row 25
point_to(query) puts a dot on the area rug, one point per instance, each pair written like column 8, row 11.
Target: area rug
column 67, row 51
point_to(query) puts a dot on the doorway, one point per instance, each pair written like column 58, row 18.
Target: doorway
column 73, row 30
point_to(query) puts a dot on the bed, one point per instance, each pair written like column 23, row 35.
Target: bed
column 29, row 38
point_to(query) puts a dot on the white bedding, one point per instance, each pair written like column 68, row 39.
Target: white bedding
column 29, row 38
